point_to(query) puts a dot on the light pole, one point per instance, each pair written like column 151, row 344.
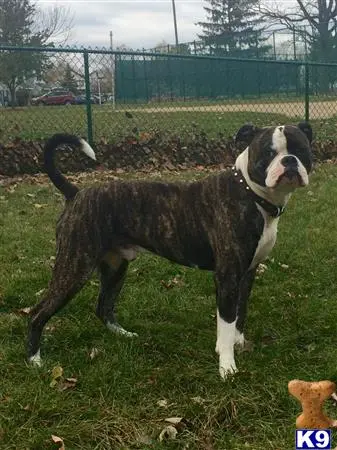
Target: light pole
column 99, row 87
column 113, row 89
column 175, row 23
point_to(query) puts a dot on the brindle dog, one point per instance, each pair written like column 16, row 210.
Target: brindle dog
column 225, row 223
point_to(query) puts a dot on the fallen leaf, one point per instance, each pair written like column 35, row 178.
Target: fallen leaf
column 284, row 266
column 267, row 339
column 144, row 439
column 198, row 400
column 311, row 347
column 261, row 268
column 176, row 281
column 174, row 420
column 168, row 432
column 40, row 292
column 25, row 311
column 56, row 375
column 94, row 352
column 68, row 383
column 38, row 205
column 162, row 403
column 58, row 440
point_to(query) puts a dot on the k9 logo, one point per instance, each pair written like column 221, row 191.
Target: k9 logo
column 313, row 439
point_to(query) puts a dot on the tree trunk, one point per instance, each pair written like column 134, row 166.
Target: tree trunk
column 12, row 89
column 325, row 52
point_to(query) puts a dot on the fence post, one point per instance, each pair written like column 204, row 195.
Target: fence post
column 307, row 89
column 294, row 44
column 88, row 96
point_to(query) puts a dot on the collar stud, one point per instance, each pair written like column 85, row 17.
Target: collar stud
column 270, row 208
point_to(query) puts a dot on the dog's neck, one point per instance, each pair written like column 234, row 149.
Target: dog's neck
column 277, row 197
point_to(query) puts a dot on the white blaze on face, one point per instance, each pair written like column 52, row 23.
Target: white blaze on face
column 276, row 168
column 279, row 141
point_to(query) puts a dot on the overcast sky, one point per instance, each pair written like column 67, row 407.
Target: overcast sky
column 134, row 23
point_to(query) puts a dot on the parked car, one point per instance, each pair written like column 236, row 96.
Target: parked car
column 82, row 100
column 57, row 97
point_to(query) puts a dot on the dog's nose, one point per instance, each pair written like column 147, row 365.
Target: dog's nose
column 289, row 160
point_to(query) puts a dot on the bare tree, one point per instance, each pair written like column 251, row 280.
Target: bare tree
column 54, row 23
column 314, row 20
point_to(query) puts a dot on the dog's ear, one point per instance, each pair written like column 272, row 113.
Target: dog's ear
column 307, row 130
column 246, row 133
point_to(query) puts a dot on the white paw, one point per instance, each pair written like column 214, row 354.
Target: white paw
column 227, row 367
column 35, row 360
column 117, row 329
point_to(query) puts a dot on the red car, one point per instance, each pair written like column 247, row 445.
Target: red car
column 55, row 98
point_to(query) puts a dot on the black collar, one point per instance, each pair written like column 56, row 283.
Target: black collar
column 270, row 208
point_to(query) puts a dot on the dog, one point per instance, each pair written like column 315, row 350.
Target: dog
column 225, row 223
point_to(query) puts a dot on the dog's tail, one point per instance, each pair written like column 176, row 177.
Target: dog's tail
column 68, row 189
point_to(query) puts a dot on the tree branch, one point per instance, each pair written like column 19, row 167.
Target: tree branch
column 306, row 14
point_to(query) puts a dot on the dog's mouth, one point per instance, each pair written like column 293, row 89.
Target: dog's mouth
column 290, row 177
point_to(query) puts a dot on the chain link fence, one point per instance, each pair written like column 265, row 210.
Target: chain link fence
column 110, row 96
column 278, row 43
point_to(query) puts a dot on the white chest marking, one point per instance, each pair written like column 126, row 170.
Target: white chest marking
column 267, row 239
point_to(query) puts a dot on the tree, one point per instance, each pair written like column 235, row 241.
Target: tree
column 314, row 20
column 69, row 80
column 233, row 28
column 23, row 24
column 164, row 47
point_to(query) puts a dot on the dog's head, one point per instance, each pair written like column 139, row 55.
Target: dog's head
column 278, row 157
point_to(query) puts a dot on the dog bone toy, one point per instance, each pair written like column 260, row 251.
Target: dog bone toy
column 312, row 396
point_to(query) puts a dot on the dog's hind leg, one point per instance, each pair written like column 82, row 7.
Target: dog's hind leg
column 246, row 285
column 68, row 277
column 112, row 272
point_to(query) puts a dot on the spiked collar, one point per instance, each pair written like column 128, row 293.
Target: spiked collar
column 271, row 209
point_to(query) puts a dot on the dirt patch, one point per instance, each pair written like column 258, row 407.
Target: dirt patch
column 318, row 110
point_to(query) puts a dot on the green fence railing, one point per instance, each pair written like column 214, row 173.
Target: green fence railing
column 124, row 95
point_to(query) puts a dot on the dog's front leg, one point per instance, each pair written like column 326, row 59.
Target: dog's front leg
column 227, row 294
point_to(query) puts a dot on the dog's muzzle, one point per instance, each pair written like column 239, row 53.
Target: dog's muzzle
column 291, row 174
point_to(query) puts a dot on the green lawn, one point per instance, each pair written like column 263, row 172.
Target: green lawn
column 42, row 122
column 119, row 399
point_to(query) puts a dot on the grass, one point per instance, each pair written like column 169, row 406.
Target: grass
column 114, row 405
column 41, row 122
